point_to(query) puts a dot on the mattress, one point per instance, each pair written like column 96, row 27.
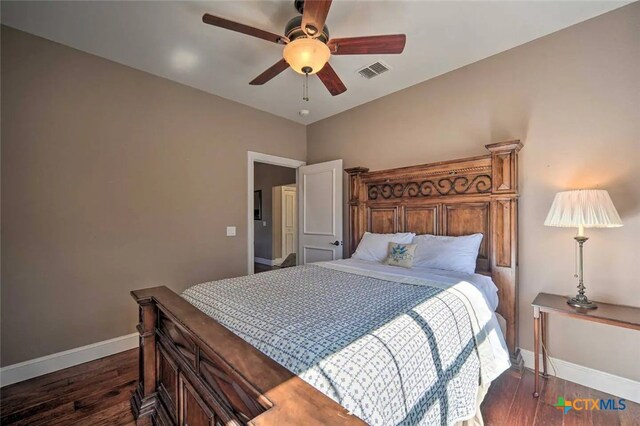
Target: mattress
column 394, row 347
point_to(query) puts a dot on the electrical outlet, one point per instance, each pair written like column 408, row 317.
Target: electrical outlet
column 231, row 231
column 264, row 223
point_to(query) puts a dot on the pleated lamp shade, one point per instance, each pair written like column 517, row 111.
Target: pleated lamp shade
column 588, row 208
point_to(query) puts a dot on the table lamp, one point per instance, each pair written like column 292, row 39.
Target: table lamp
column 583, row 208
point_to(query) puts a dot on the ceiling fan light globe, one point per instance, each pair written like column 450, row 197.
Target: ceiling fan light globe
column 303, row 53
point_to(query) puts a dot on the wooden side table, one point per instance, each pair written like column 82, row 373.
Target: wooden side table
column 544, row 304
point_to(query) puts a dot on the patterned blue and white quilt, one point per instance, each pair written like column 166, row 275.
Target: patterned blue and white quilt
column 393, row 350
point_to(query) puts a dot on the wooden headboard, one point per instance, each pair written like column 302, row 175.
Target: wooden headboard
column 457, row 197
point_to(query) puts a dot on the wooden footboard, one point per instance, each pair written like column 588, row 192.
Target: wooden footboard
column 194, row 371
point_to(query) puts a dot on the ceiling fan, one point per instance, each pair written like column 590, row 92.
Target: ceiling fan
column 307, row 46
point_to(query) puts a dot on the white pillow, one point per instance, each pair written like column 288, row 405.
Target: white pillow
column 448, row 253
column 374, row 247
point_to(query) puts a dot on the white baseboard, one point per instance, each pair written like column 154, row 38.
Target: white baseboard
column 58, row 361
column 615, row 385
column 263, row 261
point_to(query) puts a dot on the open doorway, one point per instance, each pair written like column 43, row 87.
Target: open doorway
column 272, row 216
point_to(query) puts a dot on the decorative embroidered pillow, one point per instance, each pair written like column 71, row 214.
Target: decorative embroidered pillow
column 400, row 255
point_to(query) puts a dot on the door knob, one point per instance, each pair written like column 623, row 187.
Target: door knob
column 335, row 243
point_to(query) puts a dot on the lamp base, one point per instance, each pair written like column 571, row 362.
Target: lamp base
column 581, row 302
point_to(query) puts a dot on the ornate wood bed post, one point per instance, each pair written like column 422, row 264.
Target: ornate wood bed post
column 356, row 207
column 144, row 398
column 504, row 257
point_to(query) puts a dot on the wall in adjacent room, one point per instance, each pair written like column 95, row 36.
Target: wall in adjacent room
column 114, row 179
column 266, row 176
column 573, row 98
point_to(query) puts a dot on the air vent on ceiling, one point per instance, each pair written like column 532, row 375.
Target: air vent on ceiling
column 373, row 70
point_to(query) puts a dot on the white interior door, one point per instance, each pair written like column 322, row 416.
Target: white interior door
column 320, row 212
column 289, row 219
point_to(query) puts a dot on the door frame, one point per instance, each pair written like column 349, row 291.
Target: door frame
column 257, row 157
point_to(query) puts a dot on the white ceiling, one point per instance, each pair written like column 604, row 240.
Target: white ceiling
column 168, row 39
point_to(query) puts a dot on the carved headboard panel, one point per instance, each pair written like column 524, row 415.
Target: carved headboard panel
column 457, row 197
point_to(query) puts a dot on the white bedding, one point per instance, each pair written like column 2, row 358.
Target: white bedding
column 482, row 282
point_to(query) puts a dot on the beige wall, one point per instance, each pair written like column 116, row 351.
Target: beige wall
column 573, row 98
column 266, row 176
column 114, row 179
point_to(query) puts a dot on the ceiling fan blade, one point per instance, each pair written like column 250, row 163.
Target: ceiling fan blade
column 271, row 72
column 314, row 15
column 331, row 80
column 217, row 21
column 381, row 44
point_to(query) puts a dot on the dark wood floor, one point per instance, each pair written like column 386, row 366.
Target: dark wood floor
column 509, row 403
column 259, row 267
column 97, row 393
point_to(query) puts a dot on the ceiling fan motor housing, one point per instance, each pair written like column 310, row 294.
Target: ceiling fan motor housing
column 293, row 30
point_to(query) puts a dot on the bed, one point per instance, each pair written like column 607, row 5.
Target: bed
column 349, row 341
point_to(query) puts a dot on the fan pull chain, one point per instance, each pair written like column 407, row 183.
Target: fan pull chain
column 305, row 87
